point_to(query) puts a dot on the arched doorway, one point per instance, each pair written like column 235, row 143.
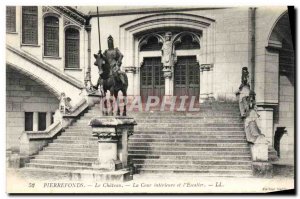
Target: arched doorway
column 284, row 112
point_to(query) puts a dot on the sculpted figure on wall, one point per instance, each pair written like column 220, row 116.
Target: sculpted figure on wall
column 167, row 51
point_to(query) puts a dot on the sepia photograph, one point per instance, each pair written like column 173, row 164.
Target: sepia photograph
column 150, row 99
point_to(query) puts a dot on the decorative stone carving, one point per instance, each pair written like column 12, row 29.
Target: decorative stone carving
column 167, row 72
column 168, row 51
column 205, row 67
column 112, row 134
column 65, row 106
column 130, row 69
column 45, row 9
column 67, row 22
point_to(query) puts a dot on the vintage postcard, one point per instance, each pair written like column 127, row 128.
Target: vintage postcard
column 115, row 99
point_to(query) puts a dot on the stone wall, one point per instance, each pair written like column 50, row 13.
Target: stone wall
column 23, row 95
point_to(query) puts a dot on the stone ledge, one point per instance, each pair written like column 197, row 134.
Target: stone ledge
column 93, row 175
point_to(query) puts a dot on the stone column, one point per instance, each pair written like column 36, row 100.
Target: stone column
column 137, row 84
column 48, row 119
column 204, row 82
column 130, row 71
column 168, row 78
column 35, row 121
column 88, row 70
column 266, row 123
column 211, row 82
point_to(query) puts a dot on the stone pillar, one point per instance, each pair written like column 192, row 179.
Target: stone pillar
column 266, row 123
column 48, row 119
column 210, row 83
column 130, row 71
column 204, row 82
column 112, row 133
column 88, row 70
column 35, row 121
column 137, row 84
column 168, row 78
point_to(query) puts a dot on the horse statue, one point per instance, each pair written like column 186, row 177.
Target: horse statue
column 111, row 78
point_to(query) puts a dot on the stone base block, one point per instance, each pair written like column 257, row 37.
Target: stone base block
column 93, row 98
column 262, row 169
column 94, row 175
column 13, row 161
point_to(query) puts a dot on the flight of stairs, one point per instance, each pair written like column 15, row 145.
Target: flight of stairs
column 74, row 149
column 211, row 142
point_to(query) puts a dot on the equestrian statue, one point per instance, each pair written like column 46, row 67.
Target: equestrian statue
column 111, row 78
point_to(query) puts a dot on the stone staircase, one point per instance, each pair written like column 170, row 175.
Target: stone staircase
column 211, row 142
column 74, row 149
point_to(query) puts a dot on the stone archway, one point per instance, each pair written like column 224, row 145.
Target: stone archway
column 274, row 80
column 131, row 31
column 281, row 39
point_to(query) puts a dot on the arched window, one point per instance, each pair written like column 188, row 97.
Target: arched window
column 51, row 36
column 30, row 25
column 151, row 44
column 186, row 43
column 72, row 48
column 11, row 19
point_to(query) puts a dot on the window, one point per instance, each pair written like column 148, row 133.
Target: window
column 29, row 25
column 187, row 43
column 42, row 121
column 151, row 45
column 10, row 19
column 28, row 121
column 51, row 36
column 72, row 48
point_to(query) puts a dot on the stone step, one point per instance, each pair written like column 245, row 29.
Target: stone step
column 66, row 141
column 171, row 136
column 191, row 157
column 212, row 140
column 67, row 148
column 62, row 162
column 80, row 145
column 71, row 137
column 68, row 153
column 186, row 129
column 189, row 124
column 210, row 172
column 194, row 167
column 67, row 158
column 131, row 143
column 183, row 153
column 186, row 149
column 191, row 162
column 56, row 166
column 191, row 116
column 173, row 133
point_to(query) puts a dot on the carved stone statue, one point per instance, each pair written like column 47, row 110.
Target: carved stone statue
column 245, row 76
column 167, row 51
column 64, row 104
column 243, row 93
column 251, row 129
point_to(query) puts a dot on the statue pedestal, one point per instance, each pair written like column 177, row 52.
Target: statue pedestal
column 259, row 149
column 112, row 133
